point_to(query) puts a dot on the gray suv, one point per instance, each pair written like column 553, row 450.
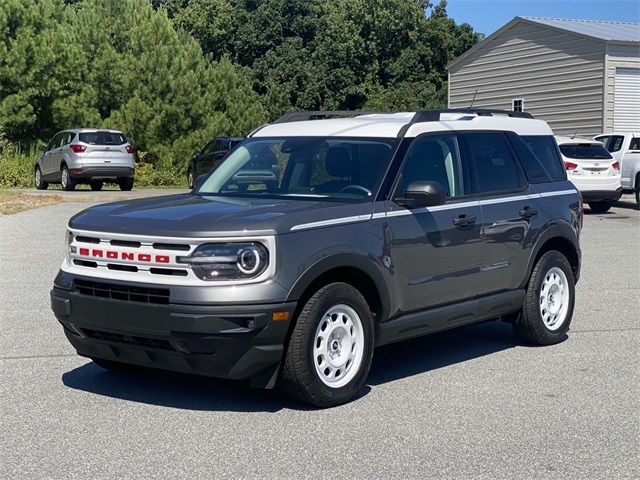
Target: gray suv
column 377, row 228
column 86, row 155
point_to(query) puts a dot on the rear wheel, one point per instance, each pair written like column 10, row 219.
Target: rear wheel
column 66, row 181
column 600, row 207
column 548, row 309
column 330, row 351
column 40, row 183
column 125, row 183
column 96, row 185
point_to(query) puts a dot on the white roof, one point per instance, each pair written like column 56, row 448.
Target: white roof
column 601, row 29
column 389, row 126
column 581, row 140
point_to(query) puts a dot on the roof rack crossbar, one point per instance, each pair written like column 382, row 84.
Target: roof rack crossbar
column 434, row 115
column 320, row 114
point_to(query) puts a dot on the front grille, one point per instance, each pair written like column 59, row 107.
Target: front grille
column 128, row 339
column 159, row 296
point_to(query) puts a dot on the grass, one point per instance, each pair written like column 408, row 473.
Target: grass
column 12, row 202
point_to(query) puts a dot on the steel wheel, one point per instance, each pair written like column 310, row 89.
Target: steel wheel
column 554, row 298
column 338, row 346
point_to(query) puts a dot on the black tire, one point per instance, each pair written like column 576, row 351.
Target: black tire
column 96, row 185
column 67, row 183
column 125, row 183
column 39, row 182
column 190, row 178
column 600, row 207
column 638, row 191
column 529, row 325
column 299, row 378
column 114, row 366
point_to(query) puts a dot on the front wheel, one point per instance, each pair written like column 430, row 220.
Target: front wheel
column 190, row 178
column 330, row 351
column 600, row 207
column 638, row 191
column 125, row 183
column 548, row 308
column 40, row 183
column 66, row 182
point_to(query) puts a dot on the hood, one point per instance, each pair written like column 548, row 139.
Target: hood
column 190, row 215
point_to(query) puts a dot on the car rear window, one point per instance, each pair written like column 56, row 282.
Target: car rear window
column 545, row 149
column 103, row 138
column 585, row 151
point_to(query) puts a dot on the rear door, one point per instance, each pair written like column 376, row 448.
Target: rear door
column 509, row 207
column 435, row 251
column 104, row 149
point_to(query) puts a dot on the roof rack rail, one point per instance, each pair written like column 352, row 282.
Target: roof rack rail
column 320, row 114
column 434, row 115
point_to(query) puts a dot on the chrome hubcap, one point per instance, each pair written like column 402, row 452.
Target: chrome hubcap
column 38, row 177
column 65, row 178
column 339, row 346
column 554, row 298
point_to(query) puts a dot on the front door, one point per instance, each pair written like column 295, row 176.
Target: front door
column 435, row 251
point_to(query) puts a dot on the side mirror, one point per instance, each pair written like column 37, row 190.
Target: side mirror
column 42, row 148
column 197, row 153
column 423, row 194
column 199, row 181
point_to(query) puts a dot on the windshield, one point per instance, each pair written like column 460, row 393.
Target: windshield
column 334, row 168
column 585, row 151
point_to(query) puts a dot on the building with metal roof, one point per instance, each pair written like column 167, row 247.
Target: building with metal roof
column 579, row 75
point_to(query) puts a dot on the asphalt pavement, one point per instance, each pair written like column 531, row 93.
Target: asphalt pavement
column 468, row 403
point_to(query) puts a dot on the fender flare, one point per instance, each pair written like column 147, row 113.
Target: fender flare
column 345, row 260
column 557, row 230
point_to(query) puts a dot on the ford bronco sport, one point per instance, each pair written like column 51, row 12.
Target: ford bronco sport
column 380, row 227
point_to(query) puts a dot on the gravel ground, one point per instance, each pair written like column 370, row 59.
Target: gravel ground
column 468, row 403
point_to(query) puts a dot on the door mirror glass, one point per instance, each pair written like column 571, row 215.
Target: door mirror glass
column 42, row 148
column 423, row 194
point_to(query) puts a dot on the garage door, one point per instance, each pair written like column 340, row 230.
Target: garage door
column 626, row 107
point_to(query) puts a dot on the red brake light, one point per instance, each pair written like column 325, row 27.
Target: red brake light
column 570, row 165
column 130, row 149
column 616, row 165
column 77, row 148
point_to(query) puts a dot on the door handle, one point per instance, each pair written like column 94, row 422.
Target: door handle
column 464, row 220
column 528, row 212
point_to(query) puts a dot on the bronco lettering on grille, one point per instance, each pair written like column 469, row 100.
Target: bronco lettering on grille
column 117, row 255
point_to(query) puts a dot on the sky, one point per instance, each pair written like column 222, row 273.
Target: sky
column 486, row 16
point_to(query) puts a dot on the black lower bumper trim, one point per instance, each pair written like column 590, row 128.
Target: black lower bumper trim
column 225, row 341
column 600, row 195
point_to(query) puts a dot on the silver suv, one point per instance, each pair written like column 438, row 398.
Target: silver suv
column 86, row 155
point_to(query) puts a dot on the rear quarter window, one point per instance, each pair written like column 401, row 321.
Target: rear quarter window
column 545, row 150
column 103, row 138
column 635, row 144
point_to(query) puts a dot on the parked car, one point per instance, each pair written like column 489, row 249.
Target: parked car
column 379, row 228
column 625, row 148
column 86, row 155
column 593, row 170
column 210, row 156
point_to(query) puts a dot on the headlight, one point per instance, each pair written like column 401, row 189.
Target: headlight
column 228, row 261
column 68, row 239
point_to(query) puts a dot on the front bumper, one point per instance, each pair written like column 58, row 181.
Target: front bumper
column 225, row 341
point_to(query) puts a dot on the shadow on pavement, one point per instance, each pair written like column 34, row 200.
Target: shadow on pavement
column 192, row 392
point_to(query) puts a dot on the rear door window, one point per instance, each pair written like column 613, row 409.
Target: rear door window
column 103, row 138
column 494, row 167
column 635, row 143
column 533, row 167
column 585, row 151
column 545, row 149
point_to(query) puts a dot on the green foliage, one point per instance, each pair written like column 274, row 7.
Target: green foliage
column 172, row 74
column 16, row 169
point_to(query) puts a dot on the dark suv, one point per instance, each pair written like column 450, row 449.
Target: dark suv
column 377, row 228
column 210, row 156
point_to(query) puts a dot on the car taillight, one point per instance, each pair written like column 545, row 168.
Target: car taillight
column 616, row 165
column 570, row 165
column 130, row 149
column 77, row 148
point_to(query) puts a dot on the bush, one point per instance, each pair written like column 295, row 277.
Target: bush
column 162, row 173
column 16, row 169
